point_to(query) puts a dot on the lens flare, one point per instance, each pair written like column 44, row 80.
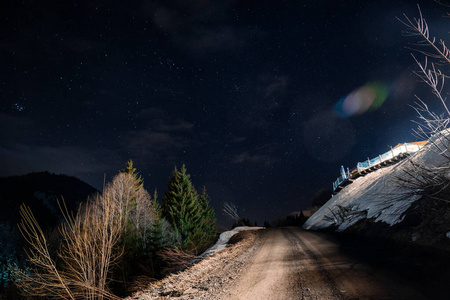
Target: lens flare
column 366, row 98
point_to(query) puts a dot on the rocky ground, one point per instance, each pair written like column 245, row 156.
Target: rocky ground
column 211, row 277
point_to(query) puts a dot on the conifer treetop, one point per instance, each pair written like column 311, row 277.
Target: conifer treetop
column 130, row 169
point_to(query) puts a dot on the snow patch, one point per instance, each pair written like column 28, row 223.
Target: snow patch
column 225, row 237
column 373, row 196
column 448, row 234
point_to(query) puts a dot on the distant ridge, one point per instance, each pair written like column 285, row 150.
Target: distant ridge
column 40, row 191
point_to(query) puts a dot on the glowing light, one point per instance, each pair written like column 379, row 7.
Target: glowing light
column 366, row 98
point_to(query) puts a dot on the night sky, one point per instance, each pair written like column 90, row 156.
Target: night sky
column 250, row 95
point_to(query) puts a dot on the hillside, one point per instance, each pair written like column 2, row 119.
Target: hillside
column 377, row 201
column 40, row 191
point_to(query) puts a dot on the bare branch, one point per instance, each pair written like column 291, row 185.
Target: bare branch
column 89, row 248
column 419, row 27
column 231, row 211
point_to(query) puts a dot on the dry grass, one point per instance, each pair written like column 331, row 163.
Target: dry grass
column 242, row 236
column 176, row 259
column 205, row 279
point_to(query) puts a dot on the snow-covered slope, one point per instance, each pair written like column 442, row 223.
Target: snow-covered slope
column 225, row 237
column 373, row 196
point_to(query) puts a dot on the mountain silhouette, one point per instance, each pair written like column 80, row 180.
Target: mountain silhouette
column 41, row 191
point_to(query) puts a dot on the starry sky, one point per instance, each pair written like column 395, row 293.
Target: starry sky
column 251, row 95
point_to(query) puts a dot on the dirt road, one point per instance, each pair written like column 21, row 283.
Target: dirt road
column 294, row 264
column 285, row 263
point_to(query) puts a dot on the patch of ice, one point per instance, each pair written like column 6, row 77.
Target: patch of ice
column 225, row 237
column 448, row 234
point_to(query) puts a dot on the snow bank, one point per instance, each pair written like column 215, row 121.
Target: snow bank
column 225, row 237
column 372, row 196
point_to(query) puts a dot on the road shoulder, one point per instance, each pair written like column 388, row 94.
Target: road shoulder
column 212, row 277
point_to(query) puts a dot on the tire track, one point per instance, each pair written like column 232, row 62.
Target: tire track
column 272, row 273
column 300, row 247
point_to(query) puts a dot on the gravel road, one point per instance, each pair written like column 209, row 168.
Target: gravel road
column 296, row 264
column 283, row 263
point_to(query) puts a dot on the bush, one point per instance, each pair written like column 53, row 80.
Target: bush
column 108, row 231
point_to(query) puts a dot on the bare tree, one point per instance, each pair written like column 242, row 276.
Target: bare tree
column 430, row 124
column 134, row 204
column 86, row 256
column 231, row 211
column 90, row 246
column 418, row 179
column 45, row 279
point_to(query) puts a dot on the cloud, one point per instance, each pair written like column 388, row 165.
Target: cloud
column 246, row 157
column 157, row 120
column 164, row 140
column 221, row 38
column 147, row 143
column 184, row 22
column 179, row 15
column 259, row 159
column 270, row 85
column 152, row 147
column 178, row 125
column 238, row 139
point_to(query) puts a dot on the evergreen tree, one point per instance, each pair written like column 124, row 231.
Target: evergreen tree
column 130, row 201
column 209, row 218
column 162, row 234
column 130, row 169
column 208, row 212
column 185, row 212
column 158, row 208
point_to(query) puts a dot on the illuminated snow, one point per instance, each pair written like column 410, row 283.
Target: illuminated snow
column 225, row 237
column 373, row 196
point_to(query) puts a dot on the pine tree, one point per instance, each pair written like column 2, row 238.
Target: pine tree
column 204, row 202
column 130, row 169
column 158, row 208
column 183, row 209
column 209, row 218
column 162, row 234
column 130, row 203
